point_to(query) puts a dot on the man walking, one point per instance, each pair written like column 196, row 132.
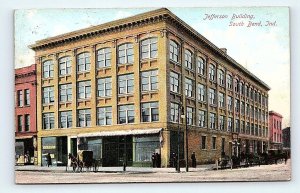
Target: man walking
column 194, row 161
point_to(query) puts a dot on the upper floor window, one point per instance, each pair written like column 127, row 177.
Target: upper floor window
column 190, row 115
column 104, row 57
column 212, row 96
column 188, row 59
column 246, row 91
column 222, row 123
column 48, row 120
column 149, row 48
column 201, row 66
column 84, row 118
column 229, row 104
column 203, row 142
column 65, row 66
column 201, row 92
column 174, row 51
column 20, row 123
column 202, row 118
column 83, row 62
column 229, row 124
column 27, row 122
column 65, row 119
column 104, row 87
column 65, row 92
column 189, row 84
column 20, row 98
column 104, row 116
column 174, row 82
column 221, row 77
column 125, row 54
column 236, row 85
column 212, row 72
column 237, row 125
column 212, row 120
column 27, row 97
column 149, row 80
column 84, row 89
column 150, row 112
column 48, row 69
column 48, row 95
column 125, row 84
column 174, row 112
column 237, row 105
column 229, row 81
column 221, row 100
column 126, row 114
column 242, row 88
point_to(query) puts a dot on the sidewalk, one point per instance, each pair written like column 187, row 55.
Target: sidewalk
column 63, row 169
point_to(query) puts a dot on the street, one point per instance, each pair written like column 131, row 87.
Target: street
column 279, row 172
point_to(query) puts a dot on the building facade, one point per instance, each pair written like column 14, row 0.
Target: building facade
column 120, row 89
column 275, row 130
column 25, row 115
column 286, row 137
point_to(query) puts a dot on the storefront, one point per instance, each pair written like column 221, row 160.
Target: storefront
column 57, row 148
column 25, row 150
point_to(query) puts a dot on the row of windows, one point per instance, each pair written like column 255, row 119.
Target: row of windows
column 214, row 74
column 149, row 113
column 240, row 126
column 277, row 124
column 213, row 143
column 23, row 98
column 125, row 55
column 277, row 137
column 149, row 82
column 21, row 126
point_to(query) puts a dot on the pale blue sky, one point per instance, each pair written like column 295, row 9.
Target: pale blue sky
column 262, row 50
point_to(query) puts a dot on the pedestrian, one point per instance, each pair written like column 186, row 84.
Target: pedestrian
column 157, row 158
column 49, row 161
column 194, row 161
column 175, row 160
column 153, row 158
column 285, row 157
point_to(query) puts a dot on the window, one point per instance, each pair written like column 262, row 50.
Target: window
column 150, row 112
column 27, row 97
column 104, row 87
column 242, row 107
column 190, row 115
column 27, row 122
column 252, row 111
column 229, row 81
column 65, row 119
column 20, row 98
column 201, row 93
column 213, row 140
column 84, row 89
column 126, row 84
column 125, row 54
column 251, row 93
column 65, row 92
column 246, row 91
column 65, row 66
column 201, row 66
column 126, row 114
column 188, row 59
column 211, row 72
column 247, row 110
column 221, row 100
column 202, row 118
column 83, row 62
column 174, row 51
column 229, row 98
column 223, row 145
column 203, row 142
column 149, row 80
column 84, row 118
column 221, row 77
column 222, row 123
column 212, row 96
column 212, row 120
column 229, row 124
column 48, row 69
column 104, row 116
column 174, row 82
column 20, row 123
column 237, row 105
column 149, row 48
column 247, row 128
column 237, row 125
column 189, row 84
column 104, row 57
column 48, row 95
column 236, row 85
column 174, row 112
column 48, row 120
column 242, row 88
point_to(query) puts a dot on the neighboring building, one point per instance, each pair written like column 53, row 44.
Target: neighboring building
column 25, row 115
column 286, row 137
column 275, row 130
column 117, row 87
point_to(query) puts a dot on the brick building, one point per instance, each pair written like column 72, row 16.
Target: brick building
column 25, row 114
column 122, row 86
column 286, row 137
column 275, row 130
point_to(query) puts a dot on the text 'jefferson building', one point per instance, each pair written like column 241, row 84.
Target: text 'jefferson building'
column 122, row 86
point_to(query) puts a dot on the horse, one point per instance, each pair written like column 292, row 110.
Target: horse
column 75, row 163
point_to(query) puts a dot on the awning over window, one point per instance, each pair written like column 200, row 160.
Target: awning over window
column 121, row 132
column 23, row 137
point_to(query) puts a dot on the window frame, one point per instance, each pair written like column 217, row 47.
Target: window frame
column 151, row 107
column 65, row 64
column 103, row 55
column 146, row 47
column 128, row 57
column 129, row 108
column 86, row 64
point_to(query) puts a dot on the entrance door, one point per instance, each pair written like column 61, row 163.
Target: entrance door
column 74, row 146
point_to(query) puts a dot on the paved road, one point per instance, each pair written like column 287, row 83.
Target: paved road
column 277, row 172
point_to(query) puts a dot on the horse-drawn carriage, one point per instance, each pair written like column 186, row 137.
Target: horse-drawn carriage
column 83, row 160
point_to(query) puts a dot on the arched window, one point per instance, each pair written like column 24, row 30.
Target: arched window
column 236, row 85
column 103, row 57
column 125, row 53
column 65, row 66
column 221, row 77
column 212, row 72
column 48, row 69
column 229, row 81
column 149, row 48
column 201, row 66
column 83, row 62
column 188, row 59
column 174, row 51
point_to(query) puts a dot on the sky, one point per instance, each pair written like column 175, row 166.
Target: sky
column 263, row 49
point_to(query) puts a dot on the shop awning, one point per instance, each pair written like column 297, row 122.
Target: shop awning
column 23, row 137
column 121, row 132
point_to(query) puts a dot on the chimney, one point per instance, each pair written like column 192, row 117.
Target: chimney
column 224, row 50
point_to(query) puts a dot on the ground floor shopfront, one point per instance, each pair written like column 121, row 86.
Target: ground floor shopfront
column 25, row 150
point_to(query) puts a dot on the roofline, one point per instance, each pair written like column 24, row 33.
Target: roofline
column 275, row 113
column 162, row 13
